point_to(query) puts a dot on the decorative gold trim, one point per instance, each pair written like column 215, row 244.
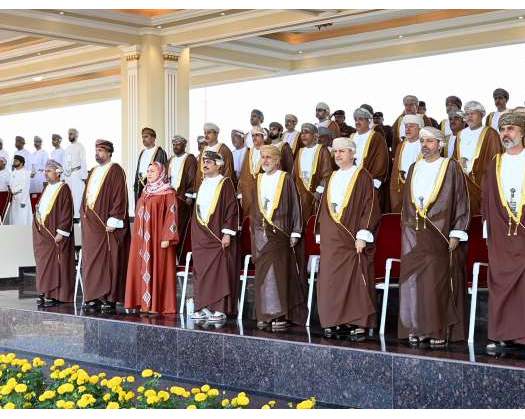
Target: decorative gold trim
column 133, row 57
column 213, row 205
column 181, row 169
column 481, row 140
column 170, row 57
column 42, row 219
column 276, row 197
column 313, row 168
column 503, row 199
column 92, row 206
column 336, row 216
column 367, row 145
column 255, row 172
column 422, row 212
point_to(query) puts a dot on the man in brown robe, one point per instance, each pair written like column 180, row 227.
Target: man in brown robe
column 152, row 267
column 211, row 136
column 475, row 147
column 148, row 155
column 322, row 113
column 434, row 225
column 504, row 221
column 53, row 241
column 182, row 169
column 105, row 232
column 452, row 104
column 406, row 154
column 340, row 118
column 291, row 136
column 348, row 217
column 501, row 97
column 386, row 130
column 312, row 168
column 251, row 167
column 372, row 152
column 280, row 286
column 214, row 228
column 276, row 137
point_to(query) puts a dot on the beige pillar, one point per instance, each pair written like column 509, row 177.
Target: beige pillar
column 182, row 118
column 170, row 93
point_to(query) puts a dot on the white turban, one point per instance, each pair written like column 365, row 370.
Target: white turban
column 414, row 119
column 430, row 132
column 290, row 116
column 410, row 99
column 474, row 106
column 362, row 113
column 322, row 105
column 343, row 143
column 210, row 126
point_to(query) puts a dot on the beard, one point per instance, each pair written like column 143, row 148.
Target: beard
column 99, row 160
column 273, row 136
column 509, row 143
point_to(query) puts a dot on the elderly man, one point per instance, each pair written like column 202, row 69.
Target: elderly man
column 251, row 167
column 280, row 287
column 312, row 168
column 347, row 220
column 53, row 241
column 456, row 122
column 407, row 153
column 452, row 104
column 20, row 209
column 256, row 120
column 57, row 154
column 239, row 151
column 434, row 226
column 322, row 113
column 105, row 232
column 75, row 169
column 291, row 136
column 503, row 204
column 38, row 163
column 182, row 169
column 501, row 97
column 475, row 147
column 4, row 153
column 276, row 137
column 340, row 118
column 214, row 245
column 150, row 153
column 211, row 137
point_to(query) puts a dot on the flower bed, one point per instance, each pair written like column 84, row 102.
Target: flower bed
column 26, row 383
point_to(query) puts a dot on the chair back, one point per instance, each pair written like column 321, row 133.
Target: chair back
column 477, row 250
column 388, row 245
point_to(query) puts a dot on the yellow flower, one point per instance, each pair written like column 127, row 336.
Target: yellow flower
column 265, row 407
column 130, row 379
column 60, row 403
column 305, row 404
column 59, row 362
column 178, row 391
column 200, row 397
column 213, row 392
column 26, row 367
column 163, row 395
column 205, row 388
column 152, row 400
column 147, row 373
column 81, row 389
column 234, row 402
column 243, row 401
column 102, row 375
column 114, row 382
column 191, row 406
column 93, row 379
column 82, row 403
column 157, row 374
column 20, row 388
column 271, row 403
column 225, row 403
column 104, row 382
column 150, row 393
column 113, row 405
column 140, row 389
column 129, row 395
column 195, row 390
column 186, row 394
column 65, row 388
column 27, row 405
column 6, row 390
column 106, row 397
column 69, row 405
column 9, row 405
column 54, row 375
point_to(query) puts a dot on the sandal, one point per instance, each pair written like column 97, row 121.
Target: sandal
column 279, row 324
column 217, row 317
column 438, row 342
column 357, row 331
column 262, row 324
column 413, row 340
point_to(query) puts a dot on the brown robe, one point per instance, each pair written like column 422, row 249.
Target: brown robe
column 247, row 181
column 186, row 186
column 150, row 282
column 320, row 175
column 346, row 286
column 296, row 144
column 433, row 287
column 105, row 254
column 216, row 270
column 280, row 286
column 490, row 146
column 506, row 251
column 396, row 140
column 287, row 156
column 55, row 263
column 159, row 156
column 397, row 182
column 227, row 170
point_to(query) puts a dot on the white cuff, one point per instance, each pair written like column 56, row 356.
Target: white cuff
column 239, row 195
column 485, row 230
column 318, row 238
column 377, row 183
column 115, row 223
column 189, row 195
column 63, row 233
column 296, row 235
column 365, row 235
column 319, row 189
column 458, row 234
column 228, row 231
column 194, row 196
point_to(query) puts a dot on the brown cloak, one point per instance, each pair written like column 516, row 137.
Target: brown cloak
column 216, row 270
column 396, row 140
column 397, row 181
column 489, row 145
column 105, row 254
column 247, row 181
column 227, row 170
column 296, row 144
column 55, row 262
column 287, row 156
column 279, row 278
column 150, row 283
column 346, row 287
column 321, row 174
column 506, row 277
column 433, row 288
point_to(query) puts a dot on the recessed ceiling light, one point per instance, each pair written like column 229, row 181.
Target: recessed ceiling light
column 400, row 36
column 61, row 13
column 520, row 18
column 159, row 27
column 37, row 78
column 300, row 51
column 223, row 13
column 38, row 53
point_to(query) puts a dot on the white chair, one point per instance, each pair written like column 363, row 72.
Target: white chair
column 78, row 280
column 385, row 287
column 184, row 276
column 312, row 278
column 473, row 290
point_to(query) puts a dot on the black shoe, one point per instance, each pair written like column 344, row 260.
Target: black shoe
column 499, row 347
column 92, row 305
column 40, row 300
column 51, row 302
column 107, row 306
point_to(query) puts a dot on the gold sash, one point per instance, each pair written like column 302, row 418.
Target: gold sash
column 255, row 172
column 516, row 218
column 422, row 212
column 367, row 145
column 313, row 168
column 213, row 205
column 99, row 186
column 41, row 218
column 481, row 140
column 276, row 197
column 336, row 216
column 181, row 169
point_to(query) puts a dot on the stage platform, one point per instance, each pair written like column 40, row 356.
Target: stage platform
column 296, row 364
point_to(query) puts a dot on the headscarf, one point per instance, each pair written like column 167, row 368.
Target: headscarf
column 159, row 186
